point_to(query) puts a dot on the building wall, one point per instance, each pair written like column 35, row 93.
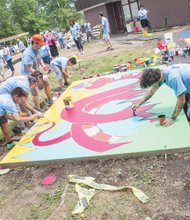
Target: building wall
column 93, row 15
column 177, row 12
column 111, row 19
column 83, row 4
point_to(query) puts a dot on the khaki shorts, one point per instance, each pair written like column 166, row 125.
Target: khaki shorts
column 106, row 37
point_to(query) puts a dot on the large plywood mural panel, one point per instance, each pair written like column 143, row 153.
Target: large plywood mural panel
column 102, row 124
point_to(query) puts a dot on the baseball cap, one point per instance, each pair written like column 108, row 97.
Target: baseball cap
column 37, row 38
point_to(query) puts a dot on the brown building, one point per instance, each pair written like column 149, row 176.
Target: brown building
column 120, row 13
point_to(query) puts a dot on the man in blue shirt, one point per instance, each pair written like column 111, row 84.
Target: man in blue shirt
column 105, row 28
column 59, row 66
column 8, row 110
column 88, row 30
column 31, row 61
column 21, row 46
column 75, row 31
column 177, row 77
column 28, row 84
column 61, row 40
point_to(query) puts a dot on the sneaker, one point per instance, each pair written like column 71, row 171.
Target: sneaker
column 50, row 101
column 11, row 144
column 67, row 83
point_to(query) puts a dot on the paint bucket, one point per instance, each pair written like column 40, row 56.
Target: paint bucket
column 23, row 114
column 116, row 69
column 123, row 69
column 136, row 29
column 168, row 37
column 68, row 102
column 161, row 119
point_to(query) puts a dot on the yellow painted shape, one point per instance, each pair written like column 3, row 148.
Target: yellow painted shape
column 17, row 150
column 187, row 40
column 50, row 116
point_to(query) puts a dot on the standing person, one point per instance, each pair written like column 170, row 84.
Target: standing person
column 21, row 46
column 177, row 77
column 105, row 28
column 61, row 39
column 7, row 58
column 8, row 110
column 51, row 40
column 46, row 55
column 142, row 13
column 75, row 31
column 31, row 61
column 88, row 30
column 59, row 65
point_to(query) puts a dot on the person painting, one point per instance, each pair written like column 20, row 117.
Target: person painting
column 75, row 31
column 59, row 65
column 31, row 61
column 8, row 110
column 28, row 84
column 177, row 77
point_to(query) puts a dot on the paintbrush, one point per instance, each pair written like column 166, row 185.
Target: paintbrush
column 134, row 114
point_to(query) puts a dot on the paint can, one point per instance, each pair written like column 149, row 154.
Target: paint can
column 161, row 119
column 123, row 69
column 23, row 114
column 116, row 69
column 68, row 102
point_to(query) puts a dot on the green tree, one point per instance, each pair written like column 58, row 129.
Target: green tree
column 33, row 16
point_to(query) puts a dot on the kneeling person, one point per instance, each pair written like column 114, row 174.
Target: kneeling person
column 59, row 66
column 8, row 110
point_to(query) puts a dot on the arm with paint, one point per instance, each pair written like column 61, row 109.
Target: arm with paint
column 17, row 118
column 179, row 106
column 147, row 96
column 32, row 109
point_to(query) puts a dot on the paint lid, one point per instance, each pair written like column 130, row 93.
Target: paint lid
column 48, row 180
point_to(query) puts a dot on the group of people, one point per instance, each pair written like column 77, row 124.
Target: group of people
column 15, row 90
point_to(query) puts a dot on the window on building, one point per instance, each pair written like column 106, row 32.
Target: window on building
column 130, row 9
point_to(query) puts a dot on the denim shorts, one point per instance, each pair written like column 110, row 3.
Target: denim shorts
column 3, row 120
column 47, row 59
column 58, row 71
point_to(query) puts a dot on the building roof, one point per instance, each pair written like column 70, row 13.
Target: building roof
column 84, row 4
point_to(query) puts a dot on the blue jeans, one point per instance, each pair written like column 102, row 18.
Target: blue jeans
column 10, row 65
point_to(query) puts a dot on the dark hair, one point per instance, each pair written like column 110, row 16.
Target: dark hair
column 149, row 77
column 101, row 14
column 72, row 22
column 73, row 60
column 19, row 92
column 35, row 76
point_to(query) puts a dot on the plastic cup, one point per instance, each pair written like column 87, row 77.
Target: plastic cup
column 161, row 119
